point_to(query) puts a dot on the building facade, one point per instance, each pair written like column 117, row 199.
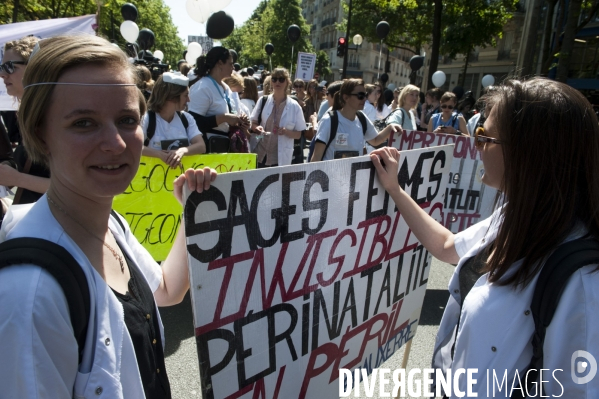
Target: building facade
column 367, row 61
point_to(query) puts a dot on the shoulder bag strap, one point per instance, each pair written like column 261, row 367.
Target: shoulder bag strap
column 184, row 120
column 151, row 127
column 362, row 119
column 333, row 132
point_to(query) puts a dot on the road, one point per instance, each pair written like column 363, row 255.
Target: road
column 182, row 358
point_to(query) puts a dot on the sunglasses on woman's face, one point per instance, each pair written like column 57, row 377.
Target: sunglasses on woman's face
column 361, row 95
column 9, row 66
column 280, row 79
column 447, row 106
column 298, row 86
column 480, row 139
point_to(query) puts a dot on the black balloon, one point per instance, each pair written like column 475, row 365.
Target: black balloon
column 233, row 54
column 146, row 39
column 219, row 25
column 293, row 33
column 384, row 78
column 458, row 91
column 416, row 62
column 237, row 66
column 382, row 29
column 269, row 48
column 129, row 12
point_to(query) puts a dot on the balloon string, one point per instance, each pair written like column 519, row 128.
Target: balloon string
column 291, row 69
column 380, row 56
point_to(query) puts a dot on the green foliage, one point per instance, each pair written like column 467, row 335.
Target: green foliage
column 322, row 64
column 153, row 14
column 465, row 24
column 269, row 24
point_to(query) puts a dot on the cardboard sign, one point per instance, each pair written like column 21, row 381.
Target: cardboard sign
column 301, row 270
column 305, row 66
column 149, row 205
column 467, row 199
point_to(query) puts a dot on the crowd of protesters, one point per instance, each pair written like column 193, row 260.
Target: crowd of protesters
column 86, row 115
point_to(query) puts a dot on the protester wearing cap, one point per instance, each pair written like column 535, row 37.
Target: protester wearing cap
column 170, row 139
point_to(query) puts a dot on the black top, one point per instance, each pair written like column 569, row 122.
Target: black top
column 36, row 169
column 471, row 272
column 142, row 323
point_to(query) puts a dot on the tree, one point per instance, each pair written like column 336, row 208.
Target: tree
column 153, row 14
column 473, row 23
column 323, row 64
column 269, row 24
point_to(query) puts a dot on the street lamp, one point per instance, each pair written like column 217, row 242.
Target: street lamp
column 358, row 39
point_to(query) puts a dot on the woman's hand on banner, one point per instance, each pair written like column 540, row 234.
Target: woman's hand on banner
column 386, row 163
column 196, row 179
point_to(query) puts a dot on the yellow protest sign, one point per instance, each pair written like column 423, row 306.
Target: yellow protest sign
column 149, row 205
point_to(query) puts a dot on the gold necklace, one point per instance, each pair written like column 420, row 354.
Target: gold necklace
column 112, row 250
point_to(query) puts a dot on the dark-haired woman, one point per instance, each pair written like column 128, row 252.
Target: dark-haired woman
column 349, row 139
column 211, row 102
column 544, row 162
column 172, row 138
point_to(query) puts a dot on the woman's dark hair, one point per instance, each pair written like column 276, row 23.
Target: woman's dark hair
column 550, row 142
column 250, row 89
column 346, row 89
column 206, row 62
column 334, row 87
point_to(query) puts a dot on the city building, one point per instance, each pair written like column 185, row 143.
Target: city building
column 366, row 61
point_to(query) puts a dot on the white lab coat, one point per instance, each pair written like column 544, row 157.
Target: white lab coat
column 496, row 325
column 39, row 350
column 292, row 115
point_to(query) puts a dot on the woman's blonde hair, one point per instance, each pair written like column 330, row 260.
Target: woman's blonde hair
column 234, row 81
column 401, row 99
column 266, row 86
column 56, row 56
column 164, row 92
column 23, row 47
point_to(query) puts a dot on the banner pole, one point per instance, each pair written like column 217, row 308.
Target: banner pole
column 406, row 356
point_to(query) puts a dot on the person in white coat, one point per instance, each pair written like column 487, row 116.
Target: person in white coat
column 544, row 162
column 281, row 121
column 81, row 114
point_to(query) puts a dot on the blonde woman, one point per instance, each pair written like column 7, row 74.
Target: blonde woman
column 404, row 114
column 279, row 120
column 81, row 117
column 171, row 133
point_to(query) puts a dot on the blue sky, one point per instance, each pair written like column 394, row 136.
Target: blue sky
column 240, row 10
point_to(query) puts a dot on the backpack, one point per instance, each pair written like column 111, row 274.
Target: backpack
column 380, row 124
column 334, row 125
column 563, row 262
column 152, row 125
column 63, row 267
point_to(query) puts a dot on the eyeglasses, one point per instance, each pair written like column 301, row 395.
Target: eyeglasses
column 298, row 86
column 9, row 66
column 480, row 139
column 361, row 95
column 281, row 79
column 447, row 106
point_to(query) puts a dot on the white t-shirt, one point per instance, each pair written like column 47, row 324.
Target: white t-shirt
column 209, row 99
column 172, row 130
column 249, row 103
column 370, row 111
column 399, row 117
column 349, row 135
column 383, row 114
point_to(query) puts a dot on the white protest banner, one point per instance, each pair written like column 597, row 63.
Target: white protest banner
column 467, row 199
column 301, row 270
column 305, row 66
column 42, row 29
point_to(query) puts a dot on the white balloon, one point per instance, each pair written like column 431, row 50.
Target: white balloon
column 198, row 10
column 488, row 80
column 217, row 5
column 194, row 50
column 439, row 78
column 130, row 31
column 159, row 54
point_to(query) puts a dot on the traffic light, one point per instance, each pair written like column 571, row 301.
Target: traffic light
column 341, row 47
